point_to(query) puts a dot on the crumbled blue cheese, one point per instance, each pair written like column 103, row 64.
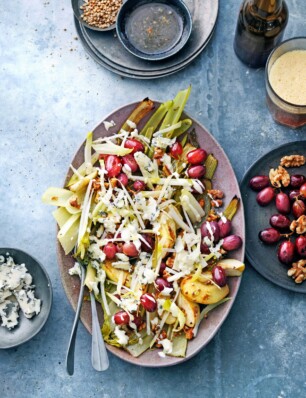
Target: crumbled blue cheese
column 122, row 337
column 29, row 305
column 9, row 314
column 129, row 302
column 75, row 270
column 131, row 124
column 108, row 125
column 16, row 292
column 94, row 250
column 167, row 347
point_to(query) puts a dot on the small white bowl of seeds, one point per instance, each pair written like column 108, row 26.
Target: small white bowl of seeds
column 100, row 15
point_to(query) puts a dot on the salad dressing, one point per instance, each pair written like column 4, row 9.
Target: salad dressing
column 154, row 27
column 287, row 77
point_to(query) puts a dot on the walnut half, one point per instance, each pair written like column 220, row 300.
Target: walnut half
column 299, row 225
column 279, row 177
column 293, row 161
column 298, row 271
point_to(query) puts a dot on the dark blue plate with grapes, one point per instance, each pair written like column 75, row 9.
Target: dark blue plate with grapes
column 263, row 257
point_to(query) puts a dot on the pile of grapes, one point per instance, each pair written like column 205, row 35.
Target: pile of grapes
column 291, row 202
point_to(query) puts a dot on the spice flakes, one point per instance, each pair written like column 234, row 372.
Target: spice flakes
column 100, row 13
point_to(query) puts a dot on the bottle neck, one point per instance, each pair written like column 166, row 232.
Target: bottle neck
column 267, row 6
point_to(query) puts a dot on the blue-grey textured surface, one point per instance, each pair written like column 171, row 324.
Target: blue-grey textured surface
column 51, row 94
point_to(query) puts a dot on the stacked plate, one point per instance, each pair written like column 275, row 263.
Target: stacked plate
column 105, row 48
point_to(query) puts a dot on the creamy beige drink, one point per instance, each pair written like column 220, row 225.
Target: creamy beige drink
column 287, row 77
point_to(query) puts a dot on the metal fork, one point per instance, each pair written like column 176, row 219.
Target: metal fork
column 99, row 357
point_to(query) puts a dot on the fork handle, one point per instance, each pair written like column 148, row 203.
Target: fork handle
column 71, row 346
column 99, row 357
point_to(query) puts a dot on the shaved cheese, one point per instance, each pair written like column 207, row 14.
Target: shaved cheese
column 134, row 207
column 120, row 282
column 162, row 142
column 174, row 213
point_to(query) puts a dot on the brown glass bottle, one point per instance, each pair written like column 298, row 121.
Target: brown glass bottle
column 260, row 27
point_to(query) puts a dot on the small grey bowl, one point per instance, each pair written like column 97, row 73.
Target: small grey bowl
column 28, row 328
column 181, row 11
column 76, row 4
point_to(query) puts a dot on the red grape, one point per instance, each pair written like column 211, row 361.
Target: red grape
column 113, row 165
column 135, row 145
column 224, row 227
column 204, row 248
column 219, row 276
column 298, row 208
column 282, row 203
column 280, row 221
column 137, row 319
column 300, row 244
column 294, row 194
column 129, row 249
column 269, row 236
column 232, row 242
column 211, row 230
column 145, row 248
column 196, row 156
column 303, row 190
column 176, row 150
column 148, row 302
column 161, row 283
column 257, row 183
column 139, row 185
column 121, row 318
column 130, row 162
column 196, row 171
column 286, row 252
column 265, row 196
column 110, row 250
column 297, row 180
column 123, row 178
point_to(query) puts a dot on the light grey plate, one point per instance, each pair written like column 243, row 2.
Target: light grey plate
column 127, row 72
column 28, row 328
column 109, row 50
column 119, row 70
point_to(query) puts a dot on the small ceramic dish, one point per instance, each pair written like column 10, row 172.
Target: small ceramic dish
column 28, row 328
column 76, row 6
column 154, row 30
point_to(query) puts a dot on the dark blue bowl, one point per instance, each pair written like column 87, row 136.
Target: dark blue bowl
column 180, row 32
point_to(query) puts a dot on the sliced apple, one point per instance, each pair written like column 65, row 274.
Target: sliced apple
column 203, row 292
column 191, row 310
column 232, row 267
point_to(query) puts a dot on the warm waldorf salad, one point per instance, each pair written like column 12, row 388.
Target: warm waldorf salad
column 141, row 214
